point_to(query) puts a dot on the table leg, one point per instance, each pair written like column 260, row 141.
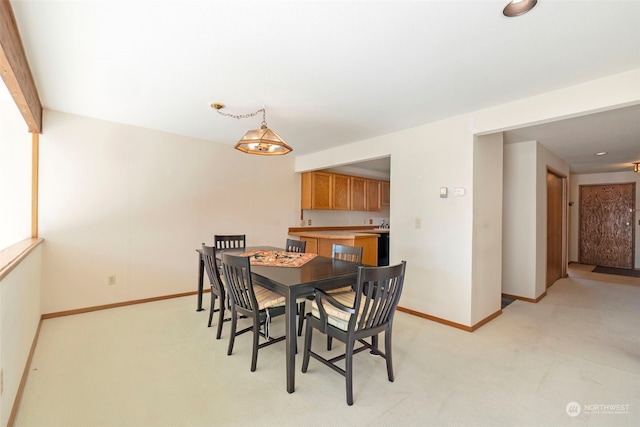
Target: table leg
column 200, row 282
column 290, row 314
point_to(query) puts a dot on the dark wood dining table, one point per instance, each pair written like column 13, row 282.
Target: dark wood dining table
column 293, row 282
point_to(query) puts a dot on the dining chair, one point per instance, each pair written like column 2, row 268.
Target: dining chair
column 295, row 246
column 254, row 301
column 298, row 246
column 341, row 252
column 352, row 317
column 347, row 253
column 217, row 286
column 229, row 241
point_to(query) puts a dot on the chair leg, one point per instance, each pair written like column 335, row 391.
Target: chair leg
column 374, row 342
column 387, row 350
column 254, row 353
column 349, row 371
column 301, row 309
column 329, row 342
column 212, row 308
column 307, row 346
column 232, row 335
column 220, row 319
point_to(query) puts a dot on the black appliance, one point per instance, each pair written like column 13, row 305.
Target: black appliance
column 383, row 249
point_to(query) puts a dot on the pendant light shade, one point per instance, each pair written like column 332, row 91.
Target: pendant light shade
column 262, row 141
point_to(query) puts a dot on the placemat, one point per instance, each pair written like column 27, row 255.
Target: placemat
column 278, row 258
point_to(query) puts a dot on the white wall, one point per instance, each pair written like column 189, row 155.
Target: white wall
column 135, row 203
column 19, row 319
column 330, row 218
column 524, row 259
column 574, row 211
column 519, row 215
column 15, row 174
column 423, row 159
column 487, row 226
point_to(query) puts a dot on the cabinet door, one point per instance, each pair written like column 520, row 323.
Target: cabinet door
column 358, row 194
column 386, row 193
column 373, row 194
column 321, row 190
column 312, row 245
column 341, row 192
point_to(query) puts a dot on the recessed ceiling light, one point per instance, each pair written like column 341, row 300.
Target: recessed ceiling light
column 518, row 7
column 601, row 153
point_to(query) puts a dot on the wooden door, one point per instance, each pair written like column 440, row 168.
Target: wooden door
column 556, row 260
column 607, row 231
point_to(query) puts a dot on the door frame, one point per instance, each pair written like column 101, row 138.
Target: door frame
column 632, row 221
column 565, row 228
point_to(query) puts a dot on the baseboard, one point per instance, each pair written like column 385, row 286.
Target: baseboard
column 115, row 305
column 449, row 323
column 544, row 294
column 23, row 380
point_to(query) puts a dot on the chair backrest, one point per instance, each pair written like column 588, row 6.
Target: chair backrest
column 347, row 253
column 211, row 267
column 379, row 289
column 295, row 246
column 237, row 276
column 230, row 241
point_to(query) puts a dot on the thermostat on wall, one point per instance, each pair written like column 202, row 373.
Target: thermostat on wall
column 459, row 191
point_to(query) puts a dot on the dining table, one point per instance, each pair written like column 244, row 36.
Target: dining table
column 321, row 272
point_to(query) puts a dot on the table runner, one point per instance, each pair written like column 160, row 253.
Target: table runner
column 278, row 258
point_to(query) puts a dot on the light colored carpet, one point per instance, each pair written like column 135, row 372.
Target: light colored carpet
column 157, row 364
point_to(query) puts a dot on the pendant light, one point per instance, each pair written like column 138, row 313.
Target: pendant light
column 263, row 141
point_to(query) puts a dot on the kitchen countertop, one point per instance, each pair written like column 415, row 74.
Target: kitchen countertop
column 334, row 234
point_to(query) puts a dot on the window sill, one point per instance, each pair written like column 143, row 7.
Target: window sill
column 14, row 254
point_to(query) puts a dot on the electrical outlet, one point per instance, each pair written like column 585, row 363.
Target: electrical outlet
column 309, row 222
column 111, row 280
column 370, row 221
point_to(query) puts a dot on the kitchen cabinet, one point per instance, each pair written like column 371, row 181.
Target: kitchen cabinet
column 358, row 194
column 341, row 195
column 386, row 193
column 373, row 194
column 321, row 242
column 324, row 190
column 317, row 190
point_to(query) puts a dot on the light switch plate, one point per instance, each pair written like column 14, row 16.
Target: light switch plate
column 444, row 191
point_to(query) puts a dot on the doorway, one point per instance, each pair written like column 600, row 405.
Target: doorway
column 556, row 227
column 607, row 232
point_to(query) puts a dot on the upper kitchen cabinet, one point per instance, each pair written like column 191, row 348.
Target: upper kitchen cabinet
column 386, row 193
column 317, row 190
column 325, row 190
column 341, row 195
column 358, row 194
column 373, row 188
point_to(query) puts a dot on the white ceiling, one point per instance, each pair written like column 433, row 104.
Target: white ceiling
column 330, row 72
